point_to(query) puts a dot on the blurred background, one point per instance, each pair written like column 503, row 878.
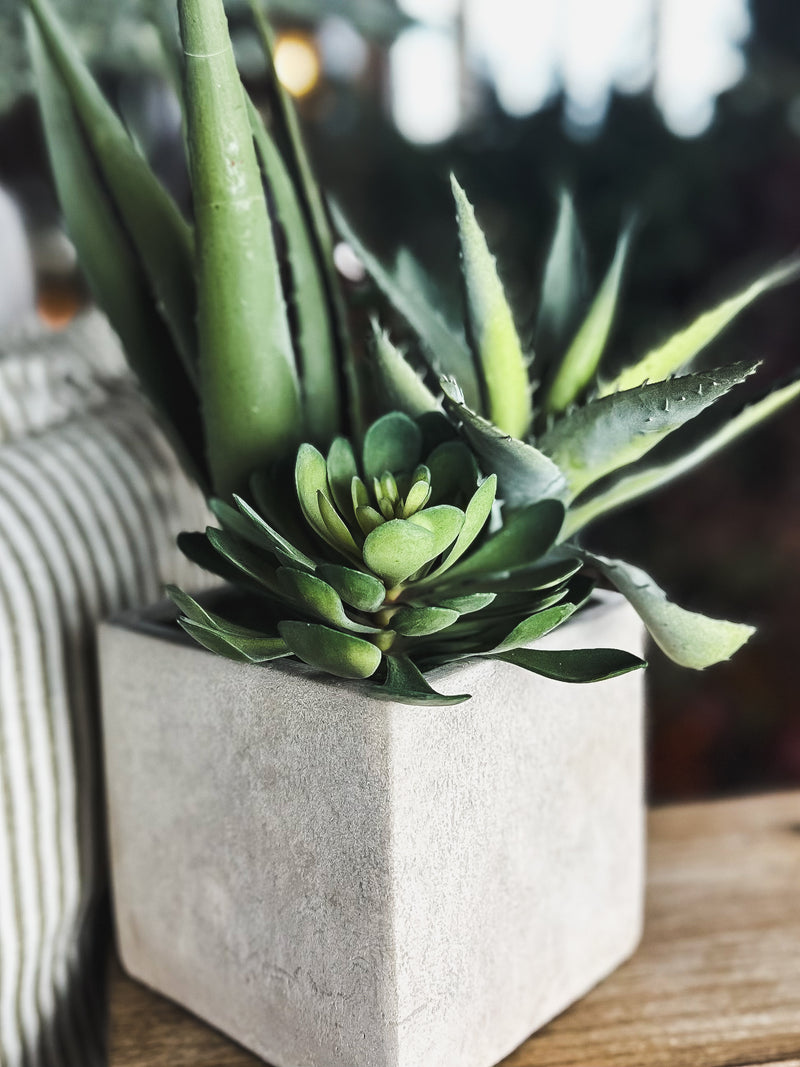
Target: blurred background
column 684, row 111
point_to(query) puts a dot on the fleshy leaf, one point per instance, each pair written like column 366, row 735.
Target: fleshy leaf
column 564, row 286
column 535, row 626
column 407, row 684
column 503, row 367
column 454, row 472
column 680, row 350
column 212, row 640
column 244, row 557
column 645, row 481
column 417, row 622
column 392, row 443
column 311, row 479
column 526, row 537
column 690, row 639
column 400, row 547
column 524, row 474
column 248, row 648
column 402, row 387
column 342, row 468
column 318, row 598
column 196, row 547
column 592, row 441
column 329, row 650
column 273, row 538
column 361, row 591
column 579, row 365
column 478, row 511
column 338, row 534
column 574, row 665
column 468, row 603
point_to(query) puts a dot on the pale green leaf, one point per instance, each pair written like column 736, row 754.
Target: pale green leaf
column 399, row 548
column 678, row 352
column 579, row 366
column 690, row 639
column 341, row 654
column 534, row 627
column 504, row 370
column 527, row 536
column 403, row 389
column 361, row 591
column 420, row 621
column 477, row 512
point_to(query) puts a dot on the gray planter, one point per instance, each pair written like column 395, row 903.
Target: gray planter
column 340, row 882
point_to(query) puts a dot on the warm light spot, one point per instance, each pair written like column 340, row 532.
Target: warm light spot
column 297, row 63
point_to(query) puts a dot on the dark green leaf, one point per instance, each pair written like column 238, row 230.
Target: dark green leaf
column 574, row 665
column 406, row 684
column 526, row 537
column 392, row 443
column 402, row 388
column 319, row 599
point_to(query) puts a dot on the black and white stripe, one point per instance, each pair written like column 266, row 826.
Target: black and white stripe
column 91, row 498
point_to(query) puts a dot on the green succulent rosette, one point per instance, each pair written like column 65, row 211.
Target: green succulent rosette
column 392, row 562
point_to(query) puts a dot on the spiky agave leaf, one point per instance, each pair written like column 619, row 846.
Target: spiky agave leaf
column 390, row 584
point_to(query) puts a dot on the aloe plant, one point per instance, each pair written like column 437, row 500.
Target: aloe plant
column 549, row 424
column 387, row 566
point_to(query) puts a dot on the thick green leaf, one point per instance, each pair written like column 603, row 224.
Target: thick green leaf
column 338, row 534
column 524, row 474
column 503, row 367
column 269, row 536
column 402, row 388
column 680, row 350
column 318, row 599
column 642, row 482
column 152, row 222
column 468, row 603
column 317, row 357
column 448, row 352
column 689, row 639
column 275, row 493
column 478, row 511
column 399, row 548
column 251, row 646
column 535, row 626
column 529, row 579
column 592, row 441
column 243, row 556
column 112, row 267
column 453, row 473
column 579, row 366
column 197, row 548
column 342, row 468
column 311, row 481
column 361, row 591
column 527, row 535
column 248, row 379
column 419, row 621
column 406, row 683
column 212, row 640
column 332, row 651
column 574, row 665
column 565, row 282
column 393, row 443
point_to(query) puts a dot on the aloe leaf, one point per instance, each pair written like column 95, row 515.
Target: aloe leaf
column 112, row 268
column 268, row 535
column 592, row 441
column 407, row 684
column 420, row 621
column 564, row 285
column 477, row 512
column 579, row 366
column 361, row 591
column 447, row 352
column 398, row 548
column 392, row 443
column 248, row 383
column 534, row 627
column 503, row 367
column 301, row 172
column 690, row 639
column 527, row 535
column 524, row 474
column 681, row 349
column 636, row 485
column 319, row 376
column 152, row 222
column 574, row 665
column 331, row 651
column 318, row 598
column 401, row 386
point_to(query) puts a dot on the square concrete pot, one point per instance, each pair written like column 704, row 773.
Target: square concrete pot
column 336, row 881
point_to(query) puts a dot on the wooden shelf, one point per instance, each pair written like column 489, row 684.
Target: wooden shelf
column 716, row 982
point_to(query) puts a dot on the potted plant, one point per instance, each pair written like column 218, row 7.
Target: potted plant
column 328, row 873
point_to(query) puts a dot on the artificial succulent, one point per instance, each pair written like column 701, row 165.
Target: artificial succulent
column 393, row 562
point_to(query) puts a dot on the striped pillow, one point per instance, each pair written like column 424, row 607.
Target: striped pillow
column 91, row 498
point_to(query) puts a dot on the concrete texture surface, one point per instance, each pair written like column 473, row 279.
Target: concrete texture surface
column 336, row 881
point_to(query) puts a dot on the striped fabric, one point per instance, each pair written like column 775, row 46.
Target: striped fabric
column 90, row 501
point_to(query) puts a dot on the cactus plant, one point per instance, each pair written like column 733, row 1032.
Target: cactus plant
column 402, row 559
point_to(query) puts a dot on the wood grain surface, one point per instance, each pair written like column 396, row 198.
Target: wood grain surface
column 716, row 982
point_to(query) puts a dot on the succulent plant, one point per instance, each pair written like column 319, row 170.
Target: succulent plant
column 549, row 424
column 389, row 566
